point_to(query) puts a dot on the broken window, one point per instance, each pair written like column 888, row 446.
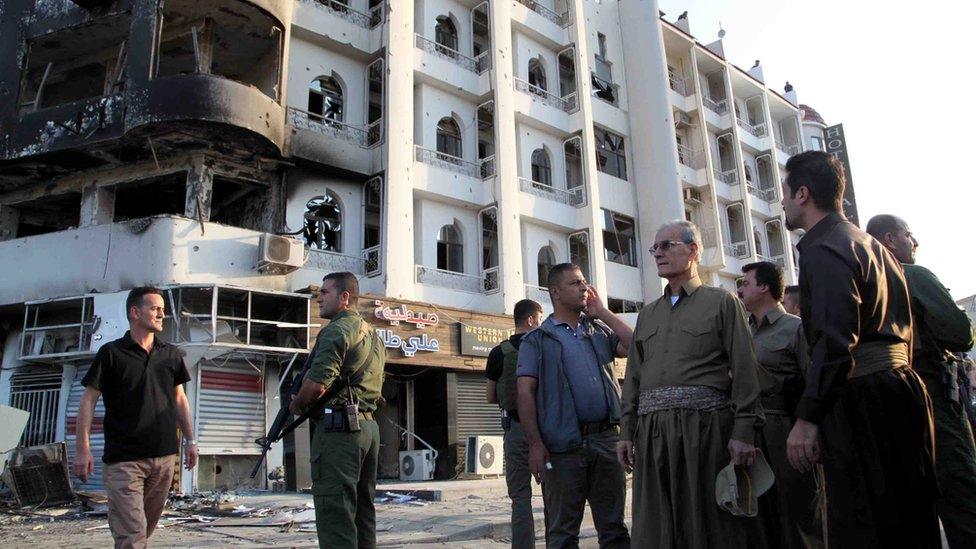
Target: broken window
column 163, row 195
column 76, row 63
column 537, row 74
column 372, row 209
column 449, row 137
column 445, row 34
column 241, row 204
column 449, row 249
column 541, row 167
column 325, row 98
column 489, row 238
column 619, row 239
column 323, row 223
column 47, row 215
column 61, row 327
column 610, row 154
column 579, row 252
column 225, row 38
column 544, row 262
column 572, row 149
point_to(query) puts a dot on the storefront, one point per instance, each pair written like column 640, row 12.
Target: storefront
column 435, row 384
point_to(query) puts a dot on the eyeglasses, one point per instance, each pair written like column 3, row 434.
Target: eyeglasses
column 666, row 245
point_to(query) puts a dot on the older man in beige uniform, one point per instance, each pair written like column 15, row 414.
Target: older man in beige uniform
column 789, row 508
column 689, row 404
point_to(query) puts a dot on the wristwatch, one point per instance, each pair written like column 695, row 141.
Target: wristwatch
column 191, row 442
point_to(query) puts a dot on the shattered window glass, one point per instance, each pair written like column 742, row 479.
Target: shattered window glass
column 323, row 223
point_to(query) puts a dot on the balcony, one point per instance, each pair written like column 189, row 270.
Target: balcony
column 757, row 130
column 779, row 260
column 483, row 169
column 790, row 150
column 538, row 294
column 367, row 20
column 566, row 104
column 564, row 20
column 680, row 86
column 366, row 137
column 766, row 195
column 719, row 107
column 366, row 264
column 739, row 250
column 477, row 66
column 729, row 177
column 490, row 280
column 475, row 284
column 689, row 157
column 575, row 197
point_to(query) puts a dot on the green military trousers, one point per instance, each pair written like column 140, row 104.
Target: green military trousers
column 955, row 464
column 343, row 486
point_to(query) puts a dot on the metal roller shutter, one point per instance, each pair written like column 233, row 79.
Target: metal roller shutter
column 474, row 415
column 38, row 391
column 231, row 409
column 96, row 437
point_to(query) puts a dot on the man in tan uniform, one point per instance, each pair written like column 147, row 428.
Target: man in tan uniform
column 789, row 508
column 689, row 404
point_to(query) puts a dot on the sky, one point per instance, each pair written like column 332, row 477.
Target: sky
column 895, row 74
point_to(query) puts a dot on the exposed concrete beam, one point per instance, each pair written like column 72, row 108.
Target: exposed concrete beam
column 199, row 192
column 9, row 219
column 97, row 205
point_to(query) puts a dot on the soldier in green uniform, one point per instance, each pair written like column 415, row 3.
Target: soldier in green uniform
column 941, row 328
column 346, row 440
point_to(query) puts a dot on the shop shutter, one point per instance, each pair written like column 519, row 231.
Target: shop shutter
column 37, row 390
column 474, row 415
column 96, row 436
column 231, row 408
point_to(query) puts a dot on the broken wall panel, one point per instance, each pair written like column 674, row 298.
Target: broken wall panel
column 163, row 195
column 48, row 215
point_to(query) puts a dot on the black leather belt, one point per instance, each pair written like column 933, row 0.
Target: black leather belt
column 367, row 416
column 593, row 427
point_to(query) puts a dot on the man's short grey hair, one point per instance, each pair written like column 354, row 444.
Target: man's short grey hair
column 689, row 231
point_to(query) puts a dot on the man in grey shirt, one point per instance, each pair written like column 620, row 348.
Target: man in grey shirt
column 569, row 406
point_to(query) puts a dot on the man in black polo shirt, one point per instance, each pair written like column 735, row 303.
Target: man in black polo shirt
column 501, row 390
column 141, row 381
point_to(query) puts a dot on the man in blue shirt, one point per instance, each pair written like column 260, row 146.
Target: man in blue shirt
column 569, row 406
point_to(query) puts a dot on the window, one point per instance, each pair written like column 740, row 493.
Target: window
column 748, row 171
column 774, row 238
column 574, row 163
column 816, row 143
column 489, row 239
column 618, row 306
column 619, row 239
column 449, row 137
column 610, row 155
column 544, row 262
column 323, row 223
column 372, row 203
column 325, row 98
column 758, row 241
column 737, row 227
column 537, row 74
column 450, row 249
column 579, row 252
column 445, row 33
column 541, row 168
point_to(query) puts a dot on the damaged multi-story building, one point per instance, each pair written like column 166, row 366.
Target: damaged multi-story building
column 448, row 152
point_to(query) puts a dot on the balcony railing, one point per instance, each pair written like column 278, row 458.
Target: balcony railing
column 718, row 107
column 689, row 157
column 757, row 130
column 449, row 279
column 567, row 104
column 561, row 19
column 538, row 294
column 371, row 261
column 486, row 166
column 788, row 149
column 369, row 20
column 738, row 250
column 490, row 282
column 484, row 169
column 679, row 84
column 767, row 195
column 482, row 62
column 575, row 197
column 366, row 137
column 323, row 260
column 728, row 177
column 447, row 53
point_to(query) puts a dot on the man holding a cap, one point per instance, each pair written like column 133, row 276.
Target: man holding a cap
column 569, row 407
column 781, row 349
column 690, row 404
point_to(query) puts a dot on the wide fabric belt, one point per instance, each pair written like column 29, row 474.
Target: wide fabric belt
column 773, row 403
column 878, row 356
column 363, row 416
column 684, row 397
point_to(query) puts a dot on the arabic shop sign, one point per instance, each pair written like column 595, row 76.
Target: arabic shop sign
column 478, row 339
column 409, row 345
column 403, row 314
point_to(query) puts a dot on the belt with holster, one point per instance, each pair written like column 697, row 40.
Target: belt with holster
column 594, row 427
column 339, row 415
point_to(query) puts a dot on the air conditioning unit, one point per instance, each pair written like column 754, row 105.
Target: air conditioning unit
column 484, row 455
column 681, row 119
column 280, row 254
column 417, row 464
column 692, row 195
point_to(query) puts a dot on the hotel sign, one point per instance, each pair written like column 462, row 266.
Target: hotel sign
column 836, row 145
